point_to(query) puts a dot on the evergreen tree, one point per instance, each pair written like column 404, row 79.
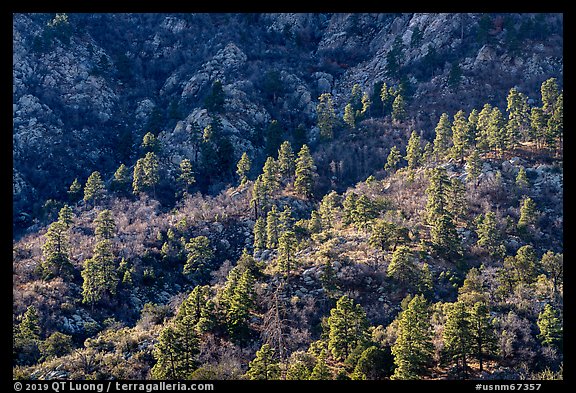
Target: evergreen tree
column 428, row 153
column 121, row 180
column 326, row 116
column 243, row 168
column 286, row 163
column 472, row 127
column 75, row 191
column 457, row 335
column 517, row 117
column 150, row 143
column 260, row 197
column 66, row 215
column 489, row 237
column 146, row 173
column 177, row 350
column 528, row 215
column 259, row 234
column 104, row 225
column 366, row 103
column 496, row 131
column 200, row 256
column 473, row 289
column 386, row 235
column 522, row 180
column 550, row 326
column 299, row 137
column 214, row 101
column 556, row 124
column 286, row 249
column 99, row 274
column 413, row 349
column 398, row 108
column 443, row 138
column 413, row 151
column 94, row 188
column 55, row 251
column 241, row 301
column 270, row 176
column 364, row 212
column 305, row 172
column 26, row 338
column 473, row 167
column 272, row 228
column 482, row 126
column 386, row 98
column 349, row 207
column 264, row 366
column 537, row 126
column 549, row 92
column 460, row 136
column 482, row 332
column 321, row 370
column 347, row 326
column 457, row 203
column 393, row 159
column 402, row 267
column 186, row 174
column 349, row 116
column 327, row 210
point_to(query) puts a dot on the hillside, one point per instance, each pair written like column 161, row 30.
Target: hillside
column 288, row 196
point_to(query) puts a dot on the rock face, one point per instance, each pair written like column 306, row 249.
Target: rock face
column 86, row 88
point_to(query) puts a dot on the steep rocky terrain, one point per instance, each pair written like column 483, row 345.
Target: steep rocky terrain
column 88, row 87
column 215, row 264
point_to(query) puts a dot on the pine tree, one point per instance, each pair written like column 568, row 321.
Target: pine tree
column 366, row 103
column 549, row 92
column 472, row 127
column 99, row 274
column 517, row 117
column 482, row 126
column 94, row 188
column 260, row 197
column 321, row 370
column 550, row 326
column 104, row 225
column 523, row 267
column 121, row 180
column 273, row 138
column 349, row 116
column 349, row 207
column 26, row 338
column 285, row 220
column 413, row 349
column 286, row 162
column 413, row 151
column 489, row 237
column 55, row 251
column 200, row 256
column 522, row 180
column 402, row 266
column 386, row 235
column 243, row 167
column 457, row 203
column 75, row 191
column 473, row 289
column 305, row 172
column 398, row 108
column 66, row 216
column 457, row 335
column 528, row 215
column 555, row 124
column 326, row 116
column 177, row 350
column 240, row 303
column 364, row 212
column 496, row 131
column 443, row 138
column 272, row 230
column 482, row 332
column 473, row 167
column 146, row 173
column 264, row 366
column 386, row 98
column 286, row 249
column 186, row 177
column 327, row 210
column 537, row 131
column 214, row 101
column 259, row 234
column 347, row 326
column 393, row 159
column 150, row 143
column 270, row 176
column 460, row 136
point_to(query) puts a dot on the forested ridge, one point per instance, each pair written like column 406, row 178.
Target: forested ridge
column 201, row 253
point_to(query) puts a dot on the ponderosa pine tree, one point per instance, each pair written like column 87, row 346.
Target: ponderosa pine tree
column 259, row 234
column 150, row 143
column 177, row 350
column 528, row 215
column 305, row 172
column 402, row 267
column 26, row 338
column 443, row 138
column 457, row 336
column 347, row 326
column 460, row 136
column 286, row 249
column 271, row 176
column 413, row 349
column 241, row 301
column 413, row 151
column 327, row 210
column 104, row 225
column 387, row 235
column 393, row 159
column 75, row 191
column 553, row 266
column 473, row 167
column 321, row 371
column 260, row 200
column 286, row 161
column 399, row 108
column 199, row 258
column 66, row 216
column 482, row 332
column 243, row 167
column 349, row 116
column 550, row 326
column 121, row 180
column 326, row 116
column 489, row 236
column 518, row 118
column 272, row 228
column 55, row 251
column 264, row 366
column 94, row 188
column 186, row 177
